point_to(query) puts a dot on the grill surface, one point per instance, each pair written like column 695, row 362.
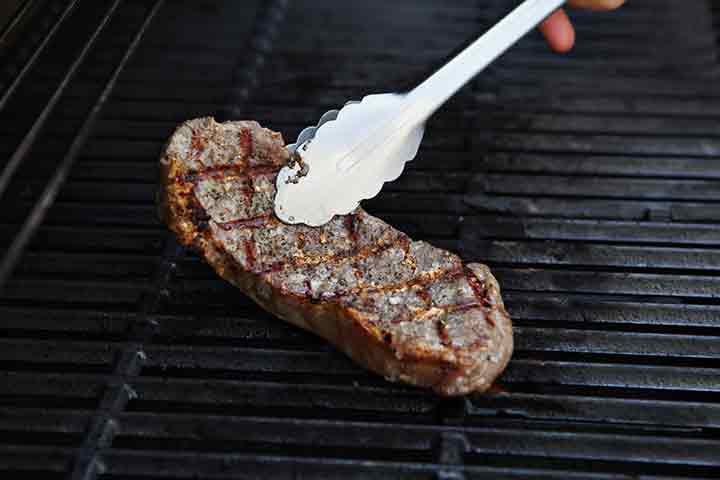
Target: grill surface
column 589, row 182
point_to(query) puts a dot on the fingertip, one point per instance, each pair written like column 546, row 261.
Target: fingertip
column 599, row 5
column 558, row 31
column 566, row 41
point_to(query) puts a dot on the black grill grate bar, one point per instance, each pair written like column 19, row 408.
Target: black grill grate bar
column 702, row 288
column 656, row 145
column 380, row 404
column 677, row 407
column 38, row 51
column 608, row 104
column 133, row 464
column 328, row 368
column 72, row 292
column 596, row 231
column 23, row 420
column 594, row 406
column 673, row 347
column 235, row 397
column 485, row 465
column 538, row 252
column 79, row 386
column 17, row 17
column 49, row 354
column 607, row 309
column 88, row 239
column 369, row 435
column 509, row 79
column 39, row 460
column 696, row 50
column 64, row 323
column 569, row 208
column 558, row 185
column 118, row 265
column 31, row 136
column 609, row 166
column 619, row 375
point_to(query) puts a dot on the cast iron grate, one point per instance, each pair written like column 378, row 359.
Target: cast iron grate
column 590, row 183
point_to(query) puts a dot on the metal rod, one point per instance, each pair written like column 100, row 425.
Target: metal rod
column 10, row 26
column 41, row 48
column 29, row 140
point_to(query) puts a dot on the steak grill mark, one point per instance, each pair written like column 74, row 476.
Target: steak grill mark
column 350, row 223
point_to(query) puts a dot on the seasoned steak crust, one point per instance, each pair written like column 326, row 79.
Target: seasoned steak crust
column 402, row 308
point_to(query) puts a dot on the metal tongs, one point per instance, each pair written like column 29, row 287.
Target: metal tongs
column 352, row 152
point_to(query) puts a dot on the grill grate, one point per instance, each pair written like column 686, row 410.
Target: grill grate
column 589, row 182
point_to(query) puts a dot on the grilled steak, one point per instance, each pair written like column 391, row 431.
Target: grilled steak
column 402, row 308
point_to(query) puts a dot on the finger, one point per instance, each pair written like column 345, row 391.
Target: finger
column 596, row 4
column 558, row 31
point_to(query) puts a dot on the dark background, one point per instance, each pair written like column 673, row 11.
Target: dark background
column 589, row 182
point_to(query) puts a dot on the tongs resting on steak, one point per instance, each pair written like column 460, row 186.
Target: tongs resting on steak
column 352, row 152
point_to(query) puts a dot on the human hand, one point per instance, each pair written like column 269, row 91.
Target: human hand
column 558, row 30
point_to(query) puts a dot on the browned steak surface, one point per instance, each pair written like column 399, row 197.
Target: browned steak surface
column 402, row 308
